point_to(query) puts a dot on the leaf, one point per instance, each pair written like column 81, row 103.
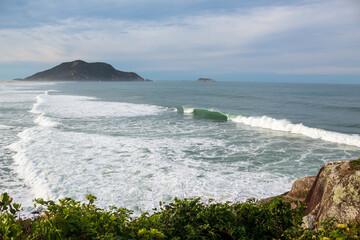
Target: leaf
column 13, row 211
column 4, row 197
column 16, row 206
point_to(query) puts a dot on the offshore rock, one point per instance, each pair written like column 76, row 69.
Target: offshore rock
column 205, row 80
column 335, row 193
column 82, row 71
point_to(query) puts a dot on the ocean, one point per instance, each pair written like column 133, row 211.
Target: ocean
column 133, row 144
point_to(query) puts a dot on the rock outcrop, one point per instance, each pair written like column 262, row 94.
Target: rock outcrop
column 335, row 193
column 82, row 71
column 301, row 188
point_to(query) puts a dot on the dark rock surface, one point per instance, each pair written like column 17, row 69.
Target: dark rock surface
column 82, row 71
column 205, row 80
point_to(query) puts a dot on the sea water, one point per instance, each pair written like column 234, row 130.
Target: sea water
column 133, row 144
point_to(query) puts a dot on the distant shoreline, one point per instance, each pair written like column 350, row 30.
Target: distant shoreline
column 10, row 81
column 29, row 81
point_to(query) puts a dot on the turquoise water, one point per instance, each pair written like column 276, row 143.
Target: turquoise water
column 135, row 144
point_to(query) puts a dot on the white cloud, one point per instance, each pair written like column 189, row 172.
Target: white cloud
column 254, row 40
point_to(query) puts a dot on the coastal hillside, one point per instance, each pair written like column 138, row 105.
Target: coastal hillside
column 79, row 70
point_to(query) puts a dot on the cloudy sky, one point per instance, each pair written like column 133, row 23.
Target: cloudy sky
column 258, row 40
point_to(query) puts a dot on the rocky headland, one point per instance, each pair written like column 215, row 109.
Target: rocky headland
column 333, row 193
column 79, row 70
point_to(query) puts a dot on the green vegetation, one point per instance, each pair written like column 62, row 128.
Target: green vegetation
column 182, row 219
column 327, row 230
column 355, row 164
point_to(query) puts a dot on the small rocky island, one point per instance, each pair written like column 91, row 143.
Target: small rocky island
column 205, row 80
column 79, row 70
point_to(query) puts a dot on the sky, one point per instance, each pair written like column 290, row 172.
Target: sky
column 232, row 40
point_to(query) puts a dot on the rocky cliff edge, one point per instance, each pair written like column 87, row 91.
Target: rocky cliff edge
column 333, row 193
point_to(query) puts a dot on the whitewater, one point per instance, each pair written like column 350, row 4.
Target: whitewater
column 135, row 144
column 277, row 125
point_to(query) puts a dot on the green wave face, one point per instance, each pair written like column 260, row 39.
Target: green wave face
column 207, row 114
column 180, row 109
column 199, row 113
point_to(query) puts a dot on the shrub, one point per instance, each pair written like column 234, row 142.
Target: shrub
column 181, row 219
column 73, row 220
column 327, row 230
column 9, row 227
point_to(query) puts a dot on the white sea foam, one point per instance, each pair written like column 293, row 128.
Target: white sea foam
column 134, row 172
column 45, row 121
column 286, row 126
column 42, row 119
column 6, row 127
column 16, row 97
column 188, row 110
column 18, row 93
column 27, row 168
column 68, row 106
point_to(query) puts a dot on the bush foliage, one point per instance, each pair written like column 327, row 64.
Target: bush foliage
column 182, row 219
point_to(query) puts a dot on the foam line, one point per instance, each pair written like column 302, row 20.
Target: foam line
column 41, row 119
column 28, row 170
column 72, row 106
column 5, row 127
column 286, row 126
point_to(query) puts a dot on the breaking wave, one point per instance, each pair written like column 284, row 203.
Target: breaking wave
column 283, row 125
column 204, row 113
column 42, row 119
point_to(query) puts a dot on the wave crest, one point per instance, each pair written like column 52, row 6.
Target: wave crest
column 204, row 113
column 266, row 122
column 41, row 119
column 286, row 126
